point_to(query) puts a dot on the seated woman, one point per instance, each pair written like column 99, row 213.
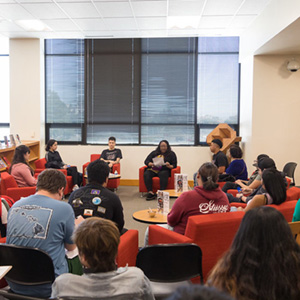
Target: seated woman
column 54, row 161
column 254, row 181
column 275, row 190
column 97, row 240
column 159, row 163
column 20, row 168
column 263, row 261
column 206, row 198
column 237, row 167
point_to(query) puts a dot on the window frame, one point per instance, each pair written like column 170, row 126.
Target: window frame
column 84, row 126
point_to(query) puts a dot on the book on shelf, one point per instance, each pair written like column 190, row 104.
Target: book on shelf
column 3, row 165
column 12, row 140
column 6, row 141
column 18, row 140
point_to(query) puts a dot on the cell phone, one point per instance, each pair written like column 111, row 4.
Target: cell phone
column 239, row 189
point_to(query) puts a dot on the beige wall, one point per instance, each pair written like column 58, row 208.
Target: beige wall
column 27, row 88
column 275, row 111
column 189, row 158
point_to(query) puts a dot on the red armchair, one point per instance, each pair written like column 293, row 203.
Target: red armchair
column 128, row 248
column 112, row 183
column 10, row 188
column 40, row 166
column 155, row 180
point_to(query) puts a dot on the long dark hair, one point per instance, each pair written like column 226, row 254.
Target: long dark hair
column 209, row 176
column 263, row 261
column 20, row 151
column 50, row 143
column 274, row 185
column 168, row 148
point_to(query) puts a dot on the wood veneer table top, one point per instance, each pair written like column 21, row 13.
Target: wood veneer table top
column 173, row 193
column 143, row 216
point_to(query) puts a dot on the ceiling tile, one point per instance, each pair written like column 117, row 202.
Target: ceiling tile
column 10, row 26
column 152, row 23
column 221, row 7
column 215, row 21
column 14, row 12
column 59, row 1
column 45, row 11
column 90, row 24
column 242, row 21
column 7, row 1
column 185, row 8
column 114, row 9
column 120, row 23
column 149, row 8
column 126, row 34
column 153, row 33
column 253, row 7
column 61, row 25
column 80, row 10
column 35, row 1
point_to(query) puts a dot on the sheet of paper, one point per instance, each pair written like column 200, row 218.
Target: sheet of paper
column 158, row 161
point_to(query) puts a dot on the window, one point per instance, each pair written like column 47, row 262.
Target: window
column 4, row 88
column 64, row 89
column 168, row 90
column 113, row 91
column 141, row 90
column 218, row 84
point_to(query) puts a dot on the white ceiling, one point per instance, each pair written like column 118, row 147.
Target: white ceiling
column 128, row 18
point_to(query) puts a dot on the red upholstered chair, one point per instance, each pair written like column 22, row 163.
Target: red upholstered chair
column 10, row 188
column 128, row 248
column 289, row 197
column 112, row 183
column 155, row 180
column 40, row 166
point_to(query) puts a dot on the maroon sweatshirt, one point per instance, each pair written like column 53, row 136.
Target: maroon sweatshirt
column 196, row 202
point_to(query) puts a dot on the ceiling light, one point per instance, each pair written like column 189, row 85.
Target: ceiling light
column 33, row 25
column 183, row 22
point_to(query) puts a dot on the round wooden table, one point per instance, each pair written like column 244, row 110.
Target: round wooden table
column 143, row 216
column 173, row 193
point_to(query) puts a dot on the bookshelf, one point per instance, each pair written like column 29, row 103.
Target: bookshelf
column 34, row 147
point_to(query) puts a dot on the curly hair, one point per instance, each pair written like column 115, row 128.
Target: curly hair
column 263, row 261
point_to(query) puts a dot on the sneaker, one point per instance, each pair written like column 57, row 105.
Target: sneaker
column 75, row 187
column 150, row 196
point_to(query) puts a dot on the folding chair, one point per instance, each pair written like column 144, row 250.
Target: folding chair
column 30, row 266
column 169, row 265
column 289, row 171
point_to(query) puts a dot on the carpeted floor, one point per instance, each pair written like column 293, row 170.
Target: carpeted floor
column 132, row 201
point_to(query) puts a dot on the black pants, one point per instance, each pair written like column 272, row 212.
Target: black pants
column 76, row 177
column 229, row 186
column 163, row 179
column 233, row 199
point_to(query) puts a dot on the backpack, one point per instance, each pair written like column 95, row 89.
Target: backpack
column 6, row 204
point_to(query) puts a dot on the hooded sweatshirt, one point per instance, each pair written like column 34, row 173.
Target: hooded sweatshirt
column 196, row 202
